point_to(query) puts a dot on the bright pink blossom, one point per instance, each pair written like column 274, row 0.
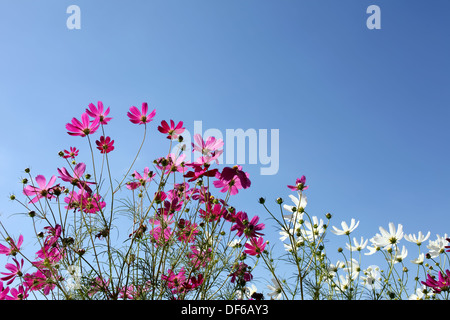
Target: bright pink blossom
column 249, row 228
column 13, row 248
column 212, row 212
column 299, row 184
column 172, row 131
column 105, row 145
column 140, row 116
column 97, row 113
column 241, row 271
column 77, row 178
column 141, row 180
column 187, row 230
column 172, row 163
column 241, row 178
column 40, row 280
column 3, row 291
column 83, row 128
column 71, row 154
column 44, row 189
column 255, row 246
column 235, row 183
column 442, row 284
column 83, row 201
column 18, row 294
column 15, row 271
column 200, row 170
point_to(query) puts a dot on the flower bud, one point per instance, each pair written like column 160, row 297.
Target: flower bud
column 279, row 200
column 32, row 214
column 328, row 215
column 262, row 200
column 27, row 170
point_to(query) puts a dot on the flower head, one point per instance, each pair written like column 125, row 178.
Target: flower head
column 97, row 113
column 276, row 289
column 255, row 246
column 13, row 248
column 77, row 178
column 442, row 284
column 299, row 184
column 83, row 128
column 346, row 230
column 15, row 271
column 210, row 149
column 419, row 239
column 387, row 239
column 172, row 131
column 71, row 154
column 105, row 145
column 44, row 189
column 140, row 116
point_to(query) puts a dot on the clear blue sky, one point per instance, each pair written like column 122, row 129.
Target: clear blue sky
column 362, row 113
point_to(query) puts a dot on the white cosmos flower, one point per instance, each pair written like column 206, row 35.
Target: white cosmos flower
column 437, row 246
column 400, row 255
column 388, row 238
column 334, row 268
column 299, row 205
column 315, row 229
column 372, row 249
column 346, row 230
column 358, row 246
column 419, row 260
column 285, row 234
column 276, row 290
column 419, row 239
column 372, row 277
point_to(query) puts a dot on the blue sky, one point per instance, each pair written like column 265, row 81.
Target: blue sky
column 362, row 113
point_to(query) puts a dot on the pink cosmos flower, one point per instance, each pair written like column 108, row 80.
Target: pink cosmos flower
column 18, row 294
column 98, row 284
column 172, row 163
column 443, row 284
column 174, row 281
column 43, row 191
column 235, row 183
column 241, row 271
column 13, row 247
column 83, row 201
column 97, row 113
column 140, row 116
column 212, row 212
column 40, row 280
column 228, row 174
column 207, row 147
column 50, row 255
column 83, row 128
column 3, row 292
column 15, row 271
column 249, row 228
column 76, row 179
column 299, row 184
column 172, row 131
column 255, row 246
column 105, row 145
column 199, row 258
column 187, row 231
column 71, row 154
column 141, row 180
column 200, row 170
column 161, row 235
